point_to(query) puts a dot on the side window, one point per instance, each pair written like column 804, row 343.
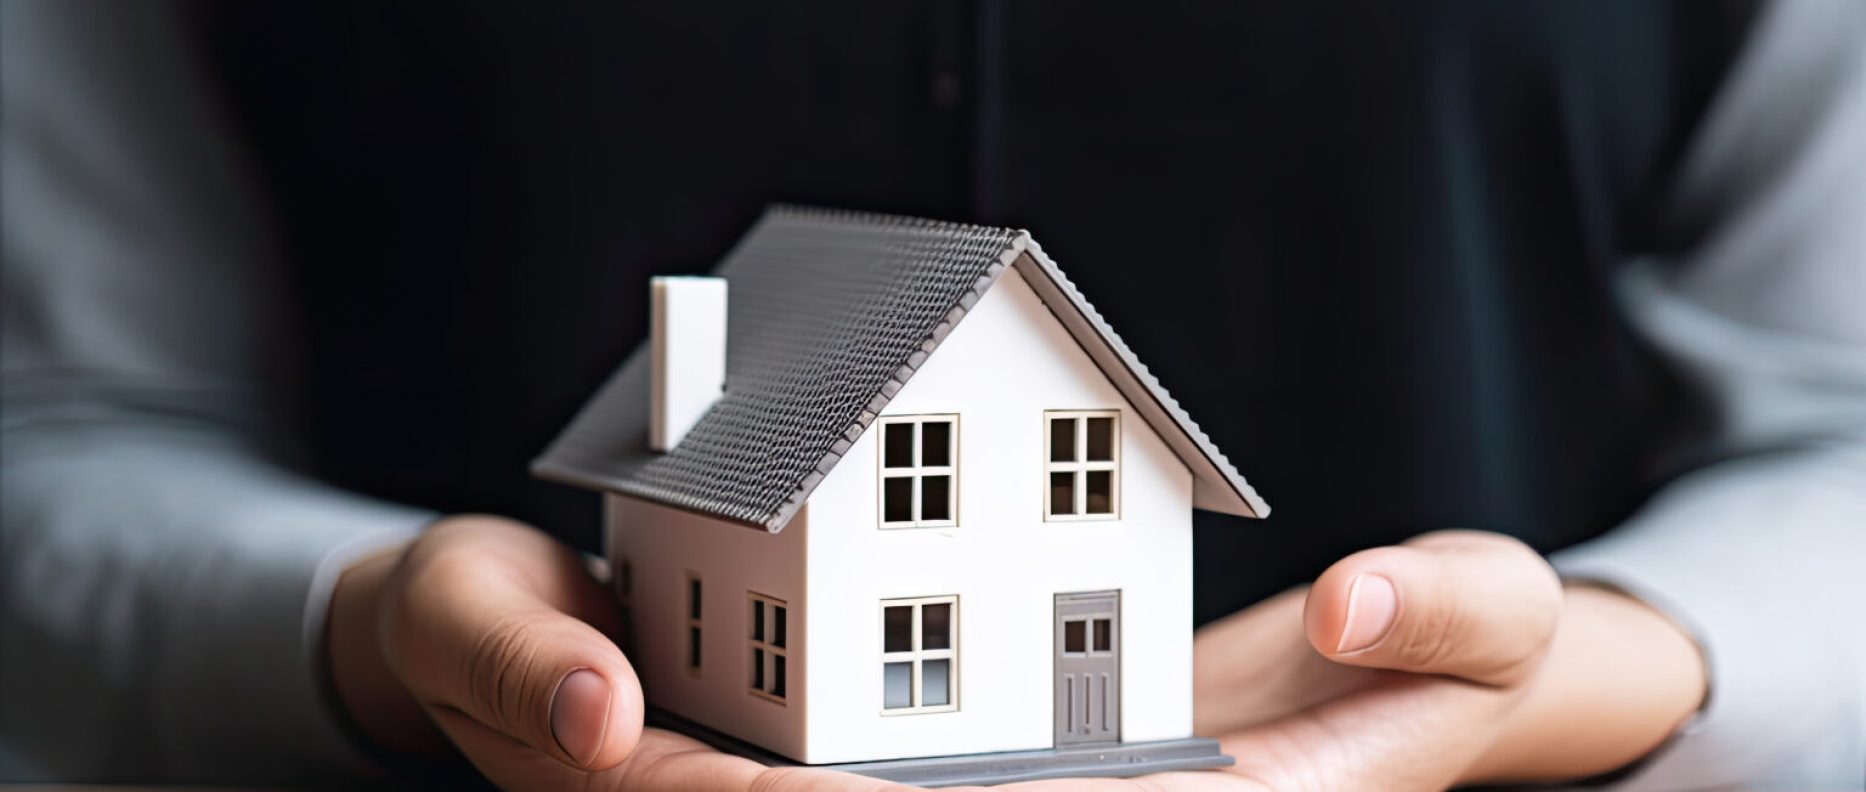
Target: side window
column 919, row 471
column 625, row 598
column 919, row 655
column 693, row 624
column 770, row 646
column 1082, row 464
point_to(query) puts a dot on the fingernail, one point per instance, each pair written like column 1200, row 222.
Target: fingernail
column 1372, row 604
column 580, row 714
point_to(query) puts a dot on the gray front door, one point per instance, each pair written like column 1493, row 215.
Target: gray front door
column 1088, row 667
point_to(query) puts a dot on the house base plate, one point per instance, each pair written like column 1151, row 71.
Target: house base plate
column 1112, row 760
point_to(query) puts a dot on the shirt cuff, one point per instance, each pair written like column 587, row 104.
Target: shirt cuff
column 246, row 663
column 1755, row 560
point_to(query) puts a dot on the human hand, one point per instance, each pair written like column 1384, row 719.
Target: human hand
column 1454, row 658
column 487, row 634
column 1486, row 672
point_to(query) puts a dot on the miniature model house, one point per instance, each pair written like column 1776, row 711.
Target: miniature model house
column 885, row 489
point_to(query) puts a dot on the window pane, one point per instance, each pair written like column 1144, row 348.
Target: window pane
column 693, row 647
column 1062, row 493
column 936, row 626
column 778, row 627
column 898, row 629
column 1104, row 635
column 777, row 675
column 1100, row 492
column 897, row 685
column 758, row 669
column 935, row 683
column 758, row 620
column 693, row 599
column 898, row 445
column 1073, row 635
column 1101, row 439
column 936, row 498
column 935, row 443
column 897, row 500
column 1062, row 439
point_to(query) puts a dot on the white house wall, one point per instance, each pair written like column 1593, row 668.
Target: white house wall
column 1005, row 364
column 662, row 546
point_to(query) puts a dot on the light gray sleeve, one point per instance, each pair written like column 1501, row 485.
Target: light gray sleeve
column 162, row 582
column 1762, row 555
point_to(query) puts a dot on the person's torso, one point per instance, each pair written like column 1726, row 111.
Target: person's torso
column 1369, row 247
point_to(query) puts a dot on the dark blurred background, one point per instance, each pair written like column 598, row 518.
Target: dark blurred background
column 1368, row 245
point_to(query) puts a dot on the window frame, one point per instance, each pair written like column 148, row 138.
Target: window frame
column 771, row 650
column 1092, row 635
column 625, row 602
column 917, row 472
column 695, row 643
column 1081, row 466
column 916, row 656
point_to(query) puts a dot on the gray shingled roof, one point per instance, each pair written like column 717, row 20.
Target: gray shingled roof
column 829, row 314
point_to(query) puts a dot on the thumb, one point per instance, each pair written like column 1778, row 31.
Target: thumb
column 1470, row 604
column 480, row 629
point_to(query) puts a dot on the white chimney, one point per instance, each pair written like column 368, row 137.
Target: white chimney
column 687, row 331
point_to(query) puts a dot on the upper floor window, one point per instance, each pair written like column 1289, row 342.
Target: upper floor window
column 919, row 471
column 1082, row 466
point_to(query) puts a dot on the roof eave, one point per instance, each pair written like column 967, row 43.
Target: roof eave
column 1217, row 484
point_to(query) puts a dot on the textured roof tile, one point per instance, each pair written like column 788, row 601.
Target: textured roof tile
column 830, row 313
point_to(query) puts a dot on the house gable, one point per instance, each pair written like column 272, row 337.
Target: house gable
column 1013, row 368
column 1000, row 372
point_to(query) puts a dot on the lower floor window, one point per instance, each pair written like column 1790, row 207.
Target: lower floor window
column 770, row 639
column 625, row 600
column 920, row 655
column 693, row 624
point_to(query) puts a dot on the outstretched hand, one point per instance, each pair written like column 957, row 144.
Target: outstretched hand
column 488, row 635
column 1456, row 657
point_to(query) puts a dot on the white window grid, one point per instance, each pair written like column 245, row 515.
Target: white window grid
column 1079, row 467
column 918, row 472
column 765, row 648
column 917, row 655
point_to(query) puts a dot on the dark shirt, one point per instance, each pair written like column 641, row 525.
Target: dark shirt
column 1392, row 260
column 1367, row 245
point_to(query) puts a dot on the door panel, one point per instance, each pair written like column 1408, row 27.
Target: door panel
column 1088, row 667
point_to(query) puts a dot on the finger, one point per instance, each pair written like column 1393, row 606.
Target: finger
column 1412, row 732
column 482, row 624
column 1178, row 781
column 810, row 779
column 661, row 762
column 1475, row 605
column 1255, row 666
